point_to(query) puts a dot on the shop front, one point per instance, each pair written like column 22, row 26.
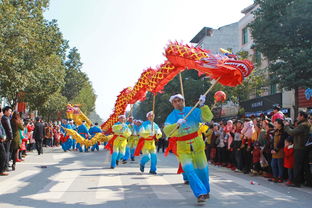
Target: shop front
column 263, row 105
column 304, row 98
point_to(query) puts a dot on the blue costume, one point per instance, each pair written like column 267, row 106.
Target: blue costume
column 73, row 126
column 127, row 153
column 134, row 140
column 119, row 141
column 93, row 131
column 148, row 137
column 84, row 132
column 190, row 146
column 66, row 145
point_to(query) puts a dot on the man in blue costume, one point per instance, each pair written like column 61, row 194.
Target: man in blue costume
column 72, row 126
column 66, row 145
column 117, row 144
column 189, row 144
column 84, row 132
column 133, row 141
column 128, row 153
column 93, row 131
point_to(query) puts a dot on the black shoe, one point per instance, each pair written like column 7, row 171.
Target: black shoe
column 294, row 185
column 142, row 168
column 124, row 161
column 201, row 199
column 207, row 196
column 112, row 167
column 153, row 172
column 132, row 159
column 117, row 162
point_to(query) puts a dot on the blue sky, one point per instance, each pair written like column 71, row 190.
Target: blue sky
column 118, row 39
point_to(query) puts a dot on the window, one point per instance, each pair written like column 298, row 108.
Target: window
column 245, row 35
column 273, row 89
column 257, row 56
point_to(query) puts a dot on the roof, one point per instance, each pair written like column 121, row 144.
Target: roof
column 204, row 32
column 248, row 9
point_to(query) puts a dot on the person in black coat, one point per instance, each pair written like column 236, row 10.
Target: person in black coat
column 38, row 135
column 2, row 149
column 6, row 123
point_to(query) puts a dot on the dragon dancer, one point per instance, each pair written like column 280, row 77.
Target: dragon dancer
column 117, row 144
column 84, row 132
column 128, row 152
column 189, row 144
column 66, row 139
column 133, row 141
column 93, row 131
column 149, row 132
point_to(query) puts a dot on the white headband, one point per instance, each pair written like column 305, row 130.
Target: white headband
column 176, row 96
column 121, row 116
column 151, row 112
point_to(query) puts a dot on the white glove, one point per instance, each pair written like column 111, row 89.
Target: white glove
column 202, row 100
column 181, row 121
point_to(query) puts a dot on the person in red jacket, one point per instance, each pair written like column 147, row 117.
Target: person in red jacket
column 256, row 153
column 289, row 159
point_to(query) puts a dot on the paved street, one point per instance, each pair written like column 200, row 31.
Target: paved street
column 84, row 180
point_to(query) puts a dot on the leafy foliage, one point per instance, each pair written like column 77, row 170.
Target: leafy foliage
column 282, row 32
column 33, row 60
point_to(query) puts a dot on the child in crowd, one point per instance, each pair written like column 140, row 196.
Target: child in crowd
column 289, row 159
column 256, row 153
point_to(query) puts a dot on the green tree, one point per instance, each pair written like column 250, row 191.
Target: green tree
column 86, row 98
column 31, row 52
column 94, row 117
column 74, row 78
column 282, row 32
column 53, row 107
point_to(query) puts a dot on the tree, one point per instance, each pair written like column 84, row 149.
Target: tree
column 53, row 107
column 282, row 32
column 74, row 78
column 86, row 98
column 94, row 117
column 31, row 52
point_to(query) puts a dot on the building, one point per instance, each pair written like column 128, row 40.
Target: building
column 214, row 39
column 225, row 37
column 282, row 97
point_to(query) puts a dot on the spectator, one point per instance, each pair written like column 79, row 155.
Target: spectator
column 256, row 153
column 17, row 125
column 48, row 134
column 238, row 126
column 6, row 123
column 300, row 134
column 277, row 151
column 3, row 154
column 277, row 113
column 207, row 135
column 56, row 135
column 289, row 159
column 30, row 130
column 246, row 134
column 214, row 142
column 38, row 135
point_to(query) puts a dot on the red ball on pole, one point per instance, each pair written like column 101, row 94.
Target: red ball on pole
column 220, row 96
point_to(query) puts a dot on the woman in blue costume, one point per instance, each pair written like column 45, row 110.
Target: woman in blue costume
column 149, row 132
